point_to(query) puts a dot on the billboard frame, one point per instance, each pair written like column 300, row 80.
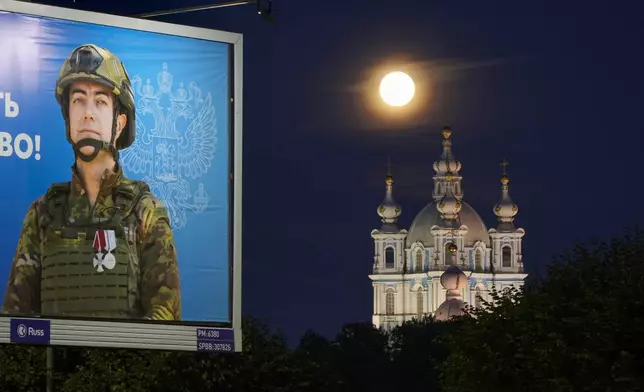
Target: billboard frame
column 158, row 335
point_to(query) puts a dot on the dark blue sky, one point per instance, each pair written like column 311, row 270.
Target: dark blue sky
column 554, row 86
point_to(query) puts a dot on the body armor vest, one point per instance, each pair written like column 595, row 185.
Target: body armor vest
column 71, row 283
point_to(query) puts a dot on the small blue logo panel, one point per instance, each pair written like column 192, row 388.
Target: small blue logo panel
column 30, row 331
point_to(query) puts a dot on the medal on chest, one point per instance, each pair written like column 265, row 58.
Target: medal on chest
column 104, row 244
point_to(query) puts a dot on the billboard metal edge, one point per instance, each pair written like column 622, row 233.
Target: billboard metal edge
column 131, row 333
column 125, row 22
column 237, row 189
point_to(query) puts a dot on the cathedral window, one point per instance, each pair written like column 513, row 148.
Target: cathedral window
column 478, row 261
column 389, row 257
column 448, row 254
column 477, row 298
column 420, row 303
column 389, row 302
column 507, row 256
column 419, row 261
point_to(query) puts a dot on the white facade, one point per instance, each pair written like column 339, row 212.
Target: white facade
column 408, row 264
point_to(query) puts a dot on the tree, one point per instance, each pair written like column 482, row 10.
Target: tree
column 364, row 358
column 417, row 353
column 579, row 330
column 115, row 370
column 265, row 364
column 22, row 368
column 316, row 360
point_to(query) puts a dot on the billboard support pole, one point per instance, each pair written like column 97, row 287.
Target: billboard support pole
column 50, row 369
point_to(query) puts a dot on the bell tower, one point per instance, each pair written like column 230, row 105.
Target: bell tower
column 506, row 238
column 388, row 261
column 389, row 240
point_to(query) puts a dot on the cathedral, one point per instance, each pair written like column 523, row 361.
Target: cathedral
column 448, row 258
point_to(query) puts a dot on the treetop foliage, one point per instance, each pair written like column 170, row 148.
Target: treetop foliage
column 580, row 329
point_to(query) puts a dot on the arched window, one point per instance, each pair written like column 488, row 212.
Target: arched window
column 448, row 254
column 478, row 260
column 477, row 298
column 389, row 257
column 419, row 261
column 389, row 302
column 420, row 303
column 507, row 256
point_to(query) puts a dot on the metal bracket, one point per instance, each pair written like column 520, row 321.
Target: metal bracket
column 264, row 7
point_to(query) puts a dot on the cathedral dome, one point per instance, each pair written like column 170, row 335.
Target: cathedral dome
column 389, row 210
column 447, row 163
column 450, row 308
column 505, row 209
column 429, row 216
column 453, row 279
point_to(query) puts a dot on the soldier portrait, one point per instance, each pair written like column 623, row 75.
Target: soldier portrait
column 99, row 245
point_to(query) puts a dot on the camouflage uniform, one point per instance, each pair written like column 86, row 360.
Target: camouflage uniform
column 54, row 270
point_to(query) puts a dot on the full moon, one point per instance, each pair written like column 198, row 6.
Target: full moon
column 397, row 89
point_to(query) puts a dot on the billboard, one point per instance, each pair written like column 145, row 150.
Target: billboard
column 120, row 154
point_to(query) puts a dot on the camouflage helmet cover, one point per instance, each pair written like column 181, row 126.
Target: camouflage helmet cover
column 95, row 64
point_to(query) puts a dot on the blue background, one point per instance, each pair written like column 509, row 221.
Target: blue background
column 33, row 50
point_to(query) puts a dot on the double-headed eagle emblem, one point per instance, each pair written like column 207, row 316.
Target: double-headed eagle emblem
column 175, row 143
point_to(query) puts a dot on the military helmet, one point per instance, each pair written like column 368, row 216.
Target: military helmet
column 95, row 64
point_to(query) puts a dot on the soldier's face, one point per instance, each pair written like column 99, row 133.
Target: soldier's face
column 91, row 113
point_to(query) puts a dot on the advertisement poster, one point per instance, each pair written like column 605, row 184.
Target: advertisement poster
column 62, row 254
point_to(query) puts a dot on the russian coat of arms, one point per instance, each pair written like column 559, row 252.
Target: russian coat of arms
column 175, row 143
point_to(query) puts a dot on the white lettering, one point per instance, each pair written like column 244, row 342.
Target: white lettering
column 23, row 145
column 26, row 153
column 208, row 346
column 11, row 108
column 210, row 333
column 35, row 332
column 5, row 144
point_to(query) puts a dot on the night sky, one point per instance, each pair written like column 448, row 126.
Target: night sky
column 553, row 86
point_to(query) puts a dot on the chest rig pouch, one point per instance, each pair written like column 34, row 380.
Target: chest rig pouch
column 76, row 278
